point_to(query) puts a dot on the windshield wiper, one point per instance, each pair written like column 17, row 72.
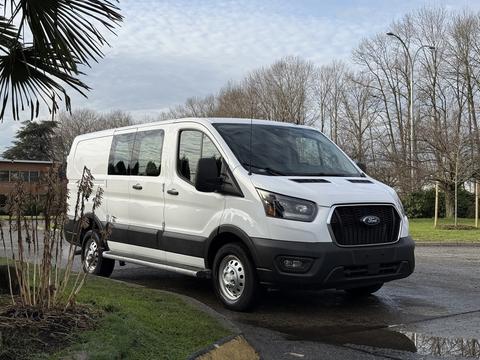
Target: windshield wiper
column 267, row 170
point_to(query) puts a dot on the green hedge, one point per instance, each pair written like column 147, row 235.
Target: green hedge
column 421, row 204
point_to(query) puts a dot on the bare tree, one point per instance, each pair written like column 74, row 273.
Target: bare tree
column 70, row 125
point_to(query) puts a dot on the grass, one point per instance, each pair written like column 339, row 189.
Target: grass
column 423, row 230
column 139, row 323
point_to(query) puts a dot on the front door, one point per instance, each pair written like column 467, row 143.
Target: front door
column 190, row 216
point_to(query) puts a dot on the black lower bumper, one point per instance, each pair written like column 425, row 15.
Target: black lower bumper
column 333, row 266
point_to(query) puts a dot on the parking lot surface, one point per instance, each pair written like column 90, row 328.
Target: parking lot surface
column 435, row 313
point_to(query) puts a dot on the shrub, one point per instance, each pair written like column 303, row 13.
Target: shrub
column 34, row 256
column 421, row 204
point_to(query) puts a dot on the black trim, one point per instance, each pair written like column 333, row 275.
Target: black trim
column 142, row 236
column 301, row 181
column 183, row 244
column 71, row 228
column 229, row 229
column 360, row 181
column 334, row 266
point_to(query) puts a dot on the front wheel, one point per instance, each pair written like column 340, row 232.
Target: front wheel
column 92, row 260
column 364, row 290
column 234, row 277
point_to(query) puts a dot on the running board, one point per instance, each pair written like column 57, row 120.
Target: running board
column 178, row 268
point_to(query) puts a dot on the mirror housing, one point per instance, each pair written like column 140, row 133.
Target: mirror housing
column 207, row 179
column 361, row 165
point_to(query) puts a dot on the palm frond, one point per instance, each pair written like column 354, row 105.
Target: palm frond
column 8, row 33
column 68, row 27
column 29, row 79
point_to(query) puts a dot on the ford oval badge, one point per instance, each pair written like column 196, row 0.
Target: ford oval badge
column 370, row 220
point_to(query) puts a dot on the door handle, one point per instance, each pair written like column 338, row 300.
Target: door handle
column 172, row 192
column 137, row 187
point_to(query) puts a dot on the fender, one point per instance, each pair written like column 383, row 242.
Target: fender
column 71, row 227
column 239, row 233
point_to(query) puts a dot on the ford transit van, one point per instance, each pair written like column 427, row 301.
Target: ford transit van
column 248, row 203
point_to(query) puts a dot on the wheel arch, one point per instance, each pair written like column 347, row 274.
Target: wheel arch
column 93, row 223
column 225, row 234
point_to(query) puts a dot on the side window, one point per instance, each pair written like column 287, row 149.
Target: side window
column 147, row 153
column 194, row 145
column 4, row 176
column 120, row 154
column 34, row 176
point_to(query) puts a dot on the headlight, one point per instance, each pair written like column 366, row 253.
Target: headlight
column 286, row 207
column 399, row 204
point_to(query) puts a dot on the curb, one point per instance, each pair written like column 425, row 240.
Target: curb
column 213, row 346
column 447, row 244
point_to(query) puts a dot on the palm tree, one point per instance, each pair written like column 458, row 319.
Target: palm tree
column 42, row 45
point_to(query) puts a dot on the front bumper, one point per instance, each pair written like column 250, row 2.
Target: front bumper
column 334, row 266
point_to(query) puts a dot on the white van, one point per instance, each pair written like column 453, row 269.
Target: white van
column 247, row 203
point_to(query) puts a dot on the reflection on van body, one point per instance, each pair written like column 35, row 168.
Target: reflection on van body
column 246, row 203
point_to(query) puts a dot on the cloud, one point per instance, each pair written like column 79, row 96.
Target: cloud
column 169, row 50
column 7, row 133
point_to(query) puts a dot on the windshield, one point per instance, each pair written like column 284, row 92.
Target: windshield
column 285, row 150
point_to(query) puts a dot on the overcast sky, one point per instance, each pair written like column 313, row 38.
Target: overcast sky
column 167, row 51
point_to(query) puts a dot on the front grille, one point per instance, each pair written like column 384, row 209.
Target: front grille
column 349, row 230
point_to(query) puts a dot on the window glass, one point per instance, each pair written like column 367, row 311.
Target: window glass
column 277, row 150
column 14, row 176
column 308, row 151
column 193, row 146
column 24, row 176
column 120, row 154
column 148, row 153
column 4, row 175
column 34, row 176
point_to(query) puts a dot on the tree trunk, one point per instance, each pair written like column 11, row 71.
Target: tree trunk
column 450, row 201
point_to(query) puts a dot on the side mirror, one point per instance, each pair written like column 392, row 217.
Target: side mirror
column 362, row 166
column 207, row 179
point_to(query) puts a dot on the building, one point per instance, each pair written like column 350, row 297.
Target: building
column 30, row 171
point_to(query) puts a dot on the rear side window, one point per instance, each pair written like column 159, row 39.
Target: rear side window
column 120, row 154
column 147, row 153
column 194, row 145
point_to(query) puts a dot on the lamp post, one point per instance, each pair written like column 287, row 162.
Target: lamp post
column 411, row 62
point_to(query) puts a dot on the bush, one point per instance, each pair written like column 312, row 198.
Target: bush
column 421, row 204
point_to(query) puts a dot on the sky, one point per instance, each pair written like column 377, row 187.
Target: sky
column 166, row 51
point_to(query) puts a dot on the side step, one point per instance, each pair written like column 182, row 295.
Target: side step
column 178, row 268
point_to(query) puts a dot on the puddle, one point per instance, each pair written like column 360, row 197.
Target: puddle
column 383, row 337
column 441, row 346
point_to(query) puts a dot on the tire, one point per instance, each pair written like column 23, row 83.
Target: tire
column 234, row 277
column 92, row 260
column 364, row 290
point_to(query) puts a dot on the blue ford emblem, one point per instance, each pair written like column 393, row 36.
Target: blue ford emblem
column 370, row 220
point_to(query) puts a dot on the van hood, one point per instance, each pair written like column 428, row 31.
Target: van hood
column 327, row 190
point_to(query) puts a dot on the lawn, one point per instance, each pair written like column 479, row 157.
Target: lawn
column 423, row 230
column 139, row 323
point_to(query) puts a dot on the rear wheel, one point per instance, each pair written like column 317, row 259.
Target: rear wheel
column 234, row 277
column 364, row 290
column 92, row 260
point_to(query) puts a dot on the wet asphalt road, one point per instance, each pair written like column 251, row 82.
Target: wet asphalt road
column 435, row 313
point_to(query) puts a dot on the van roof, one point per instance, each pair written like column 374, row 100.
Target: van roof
column 210, row 120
